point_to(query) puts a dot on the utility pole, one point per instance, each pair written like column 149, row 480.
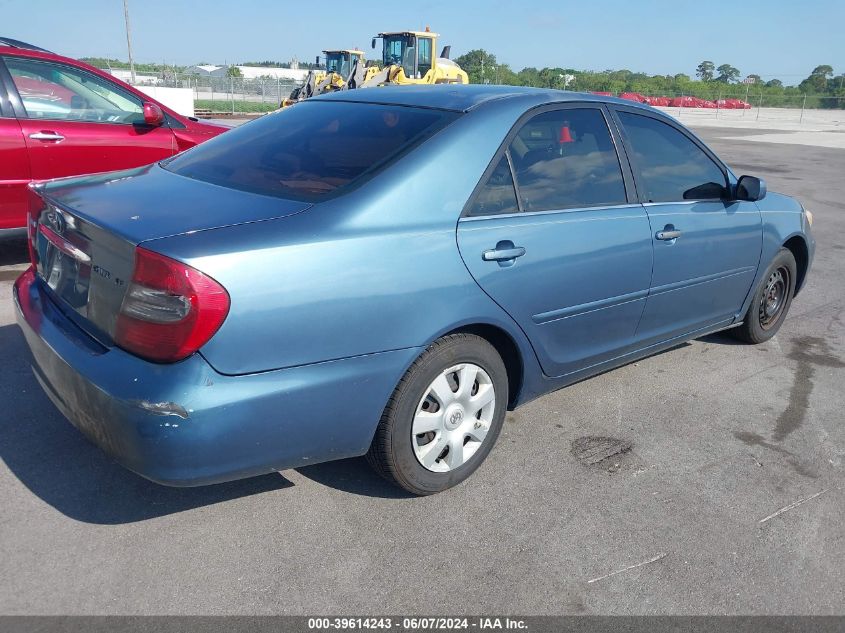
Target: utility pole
column 128, row 41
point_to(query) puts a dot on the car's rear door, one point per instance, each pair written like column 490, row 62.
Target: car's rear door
column 14, row 163
column 555, row 235
column 75, row 122
column 706, row 245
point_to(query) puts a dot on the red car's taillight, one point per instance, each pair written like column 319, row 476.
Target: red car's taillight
column 170, row 309
column 36, row 206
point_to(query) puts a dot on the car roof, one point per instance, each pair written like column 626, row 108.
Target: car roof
column 11, row 43
column 462, row 97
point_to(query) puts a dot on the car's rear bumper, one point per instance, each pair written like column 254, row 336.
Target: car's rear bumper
column 184, row 424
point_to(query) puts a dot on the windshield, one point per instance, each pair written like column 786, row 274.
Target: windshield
column 399, row 50
column 311, row 150
column 339, row 63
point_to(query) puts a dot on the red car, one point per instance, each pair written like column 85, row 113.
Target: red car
column 61, row 117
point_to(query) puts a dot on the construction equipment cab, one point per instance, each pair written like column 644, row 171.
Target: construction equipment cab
column 408, row 58
column 339, row 65
column 341, row 61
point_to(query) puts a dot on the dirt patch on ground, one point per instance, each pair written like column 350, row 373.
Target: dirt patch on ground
column 591, row 450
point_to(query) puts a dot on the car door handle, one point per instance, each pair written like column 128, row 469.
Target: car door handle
column 46, row 136
column 668, row 235
column 503, row 253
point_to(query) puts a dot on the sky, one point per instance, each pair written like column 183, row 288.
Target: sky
column 773, row 38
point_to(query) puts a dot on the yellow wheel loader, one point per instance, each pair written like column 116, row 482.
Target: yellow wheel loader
column 408, row 59
column 339, row 64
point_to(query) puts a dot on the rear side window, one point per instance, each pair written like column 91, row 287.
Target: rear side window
column 497, row 196
column 672, row 167
column 565, row 159
column 310, row 150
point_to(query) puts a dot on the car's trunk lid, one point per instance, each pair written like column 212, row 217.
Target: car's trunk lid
column 89, row 227
column 151, row 202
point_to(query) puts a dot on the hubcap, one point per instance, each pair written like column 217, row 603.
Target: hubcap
column 453, row 417
column 774, row 298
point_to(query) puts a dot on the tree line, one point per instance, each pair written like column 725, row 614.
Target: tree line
column 711, row 82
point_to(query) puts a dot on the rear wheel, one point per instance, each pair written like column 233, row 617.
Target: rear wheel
column 444, row 416
column 771, row 300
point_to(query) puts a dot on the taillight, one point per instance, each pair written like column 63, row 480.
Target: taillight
column 36, row 206
column 169, row 310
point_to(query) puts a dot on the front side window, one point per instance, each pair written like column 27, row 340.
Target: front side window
column 672, row 167
column 311, row 150
column 59, row 92
column 565, row 159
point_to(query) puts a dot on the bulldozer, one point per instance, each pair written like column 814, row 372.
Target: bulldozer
column 407, row 59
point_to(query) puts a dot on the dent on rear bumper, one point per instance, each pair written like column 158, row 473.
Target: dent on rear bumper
column 184, row 424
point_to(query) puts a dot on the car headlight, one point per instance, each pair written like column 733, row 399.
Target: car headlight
column 809, row 216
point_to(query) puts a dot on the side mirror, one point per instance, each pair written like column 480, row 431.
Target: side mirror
column 750, row 188
column 373, row 43
column 153, row 115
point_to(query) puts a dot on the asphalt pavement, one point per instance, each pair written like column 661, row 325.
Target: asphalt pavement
column 727, row 497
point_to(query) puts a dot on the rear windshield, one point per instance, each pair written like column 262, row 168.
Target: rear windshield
column 310, row 150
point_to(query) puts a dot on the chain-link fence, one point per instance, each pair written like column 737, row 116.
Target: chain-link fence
column 233, row 95
column 744, row 105
column 242, row 95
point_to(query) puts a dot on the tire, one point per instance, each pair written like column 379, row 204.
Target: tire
column 771, row 300
column 459, row 428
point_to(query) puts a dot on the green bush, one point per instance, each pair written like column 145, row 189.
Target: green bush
column 225, row 106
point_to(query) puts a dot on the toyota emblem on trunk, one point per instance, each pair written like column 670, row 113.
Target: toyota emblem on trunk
column 57, row 221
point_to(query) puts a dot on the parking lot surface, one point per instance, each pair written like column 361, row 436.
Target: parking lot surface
column 728, row 499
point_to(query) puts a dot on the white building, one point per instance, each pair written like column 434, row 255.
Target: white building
column 253, row 72
column 126, row 75
column 249, row 72
column 206, row 70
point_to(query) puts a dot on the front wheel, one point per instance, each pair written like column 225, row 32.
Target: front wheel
column 771, row 300
column 444, row 416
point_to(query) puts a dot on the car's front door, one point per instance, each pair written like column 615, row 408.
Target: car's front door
column 75, row 122
column 552, row 235
column 706, row 245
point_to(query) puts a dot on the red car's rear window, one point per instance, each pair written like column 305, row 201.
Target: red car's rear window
column 310, row 150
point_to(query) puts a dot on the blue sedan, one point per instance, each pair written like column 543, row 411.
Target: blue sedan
column 387, row 272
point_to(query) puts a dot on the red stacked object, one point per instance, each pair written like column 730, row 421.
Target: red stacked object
column 634, row 96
